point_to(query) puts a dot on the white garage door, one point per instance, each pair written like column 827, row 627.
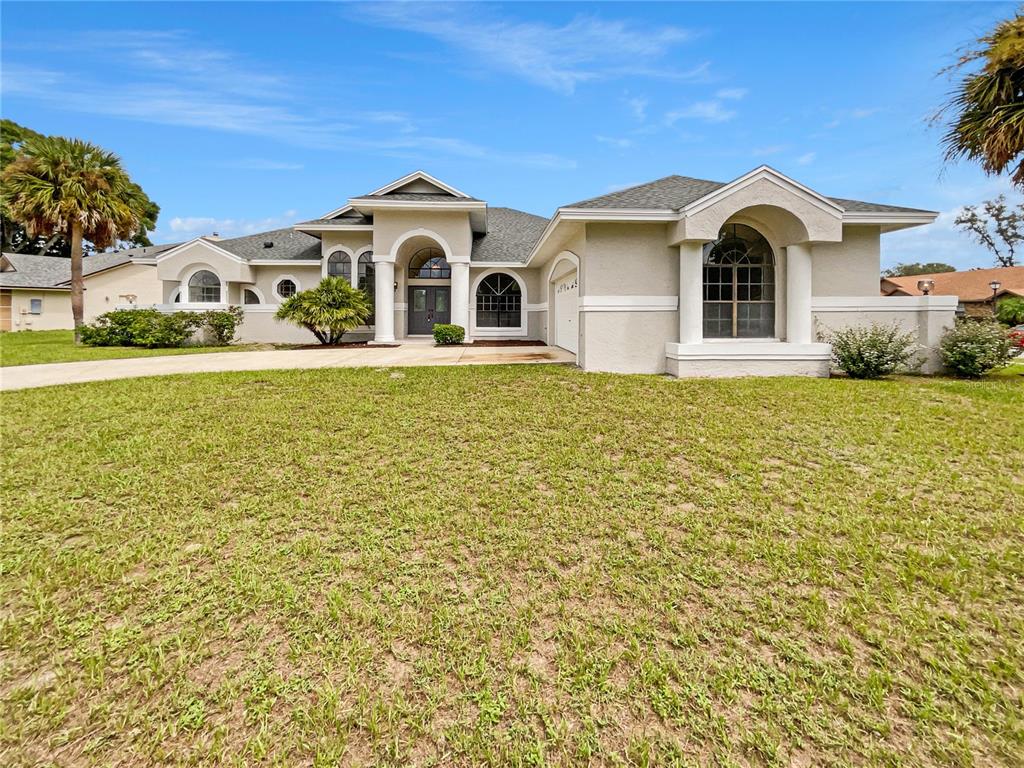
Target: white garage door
column 566, row 306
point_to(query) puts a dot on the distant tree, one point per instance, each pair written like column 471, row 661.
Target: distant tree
column 928, row 268
column 78, row 190
column 997, row 226
column 328, row 310
column 14, row 235
column 987, row 106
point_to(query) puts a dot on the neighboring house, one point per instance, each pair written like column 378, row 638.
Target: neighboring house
column 679, row 275
column 35, row 291
column 972, row 288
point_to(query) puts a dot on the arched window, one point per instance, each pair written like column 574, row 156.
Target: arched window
column 204, row 288
column 739, row 285
column 367, row 280
column 339, row 265
column 429, row 263
column 499, row 302
column 286, row 288
column 250, row 296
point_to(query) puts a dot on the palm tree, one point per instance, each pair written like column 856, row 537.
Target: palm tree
column 988, row 105
column 78, row 190
column 328, row 310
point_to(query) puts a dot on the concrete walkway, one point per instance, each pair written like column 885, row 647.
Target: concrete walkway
column 50, row 374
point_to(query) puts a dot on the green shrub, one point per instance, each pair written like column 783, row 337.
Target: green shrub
column 222, row 323
column 972, row 348
column 118, row 328
column 151, row 328
column 446, row 334
column 874, row 351
column 1010, row 311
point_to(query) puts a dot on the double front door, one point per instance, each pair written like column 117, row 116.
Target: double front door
column 428, row 305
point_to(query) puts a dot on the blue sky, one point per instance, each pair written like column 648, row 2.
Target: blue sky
column 240, row 117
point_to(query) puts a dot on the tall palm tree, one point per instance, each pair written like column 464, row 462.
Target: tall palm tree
column 988, row 105
column 79, row 190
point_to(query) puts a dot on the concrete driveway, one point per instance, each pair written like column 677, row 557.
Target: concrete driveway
column 50, row 374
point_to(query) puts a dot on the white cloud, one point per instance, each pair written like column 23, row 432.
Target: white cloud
column 174, row 80
column 772, row 149
column 807, row 158
column 731, row 94
column 709, row 111
column 560, row 58
column 615, row 142
column 181, row 228
column 638, row 106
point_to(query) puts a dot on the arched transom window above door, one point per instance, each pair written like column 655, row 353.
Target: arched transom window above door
column 339, row 265
column 739, row 285
column 499, row 302
column 430, row 264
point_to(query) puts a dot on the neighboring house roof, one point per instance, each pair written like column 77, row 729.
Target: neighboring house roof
column 675, row 192
column 285, row 245
column 30, row 270
column 510, row 237
column 971, row 285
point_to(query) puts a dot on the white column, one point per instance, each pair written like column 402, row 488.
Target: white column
column 691, row 287
column 799, row 320
column 460, row 295
column 384, row 299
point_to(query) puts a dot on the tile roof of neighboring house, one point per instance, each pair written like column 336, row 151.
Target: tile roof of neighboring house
column 286, row 245
column 510, row 236
column 34, row 271
column 674, row 192
column 971, row 285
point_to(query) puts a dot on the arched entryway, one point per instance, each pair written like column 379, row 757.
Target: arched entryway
column 563, row 302
column 739, row 285
column 423, row 268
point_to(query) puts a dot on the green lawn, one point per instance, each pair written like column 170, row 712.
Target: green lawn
column 512, row 566
column 30, row 347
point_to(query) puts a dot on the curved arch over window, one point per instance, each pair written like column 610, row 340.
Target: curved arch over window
column 204, row 288
column 286, row 288
column 429, row 263
column 367, row 278
column 339, row 265
column 739, row 285
column 249, row 296
column 499, row 302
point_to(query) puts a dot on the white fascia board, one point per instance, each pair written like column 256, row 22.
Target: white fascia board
column 338, row 211
column 284, row 262
column 769, row 173
column 498, row 264
column 333, row 227
column 417, row 176
column 456, row 205
column 884, row 218
column 59, row 287
column 600, row 214
column 204, row 242
column 149, row 261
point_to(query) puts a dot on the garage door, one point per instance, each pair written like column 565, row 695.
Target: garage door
column 566, row 319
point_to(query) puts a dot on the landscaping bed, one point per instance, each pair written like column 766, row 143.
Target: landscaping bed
column 512, row 566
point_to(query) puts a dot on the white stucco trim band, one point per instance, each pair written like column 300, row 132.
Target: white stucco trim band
column 731, row 350
column 884, row 303
column 628, row 303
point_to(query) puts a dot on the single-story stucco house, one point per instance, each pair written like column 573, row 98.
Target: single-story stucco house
column 35, row 290
column 679, row 275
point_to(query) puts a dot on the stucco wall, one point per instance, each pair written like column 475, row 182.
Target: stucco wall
column 56, row 310
column 626, row 342
column 356, row 242
column 626, row 259
column 106, row 291
column 849, row 268
column 176, row 266
column 452, row 226
column 265, row 277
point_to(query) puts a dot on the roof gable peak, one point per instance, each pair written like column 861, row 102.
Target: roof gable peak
column 418, row 181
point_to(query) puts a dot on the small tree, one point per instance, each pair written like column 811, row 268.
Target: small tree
column 928, row 268
column 972, row 348
column 328, row 310
column 873, row 351
column 997, row 226
column 1010, row 311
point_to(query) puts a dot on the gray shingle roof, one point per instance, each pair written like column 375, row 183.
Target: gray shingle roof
column 511, row 235
column 35, row 271
column 675, row 192
column 361, row 220
column 420, row 197
column 287, row 244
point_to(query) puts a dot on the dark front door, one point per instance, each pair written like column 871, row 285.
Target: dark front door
column 428, row 305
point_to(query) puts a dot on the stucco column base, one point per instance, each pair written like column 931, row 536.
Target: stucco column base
column 799, row 321
column 753, row 358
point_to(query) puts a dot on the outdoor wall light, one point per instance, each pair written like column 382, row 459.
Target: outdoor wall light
column 925, row 286
column 396, row 285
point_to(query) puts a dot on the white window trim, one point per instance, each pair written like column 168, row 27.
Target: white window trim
column 277, row 282
column 254, row 289
column 184, row 292
column 488, row 332
column 324, row 272
column 31, row 301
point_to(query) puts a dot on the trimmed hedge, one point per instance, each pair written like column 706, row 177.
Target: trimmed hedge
column 151, row 328
column 446, row 334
